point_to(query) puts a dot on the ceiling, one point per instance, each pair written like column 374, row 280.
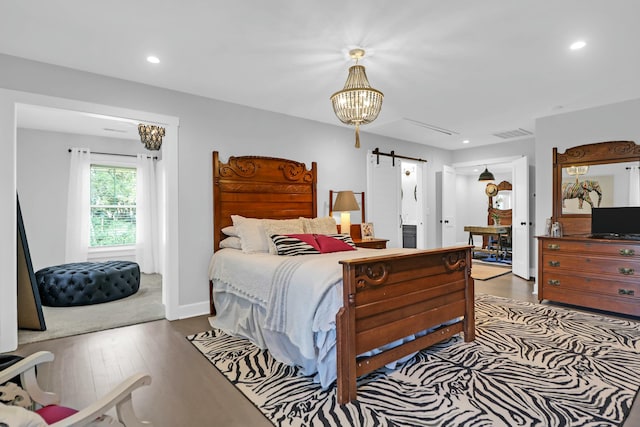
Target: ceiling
column 450, row 70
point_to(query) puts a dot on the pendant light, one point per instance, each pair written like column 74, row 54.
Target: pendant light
column 486, row 175
column 357, row 103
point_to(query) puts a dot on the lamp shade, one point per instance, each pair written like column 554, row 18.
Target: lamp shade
column 346, row 201
column 486, row 175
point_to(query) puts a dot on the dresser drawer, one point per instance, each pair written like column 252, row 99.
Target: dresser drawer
column 587, row 247
column 619, row 267
column 552, row 281
column 601, row 302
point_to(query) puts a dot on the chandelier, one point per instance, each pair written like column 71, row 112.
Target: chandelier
column 358, row 103
column 151, row 136
column 577, row 171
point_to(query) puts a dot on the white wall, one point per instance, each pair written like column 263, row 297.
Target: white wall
column 205, row 125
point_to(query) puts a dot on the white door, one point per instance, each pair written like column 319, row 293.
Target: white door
column 448, row 206
column 520, row 220
column 383, row 199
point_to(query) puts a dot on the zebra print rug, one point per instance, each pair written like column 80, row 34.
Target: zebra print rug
column 530, row 365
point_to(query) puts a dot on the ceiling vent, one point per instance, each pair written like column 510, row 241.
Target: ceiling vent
column 517, row 133
column 431, row 127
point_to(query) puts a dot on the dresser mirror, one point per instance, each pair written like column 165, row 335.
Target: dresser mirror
column 593, row 175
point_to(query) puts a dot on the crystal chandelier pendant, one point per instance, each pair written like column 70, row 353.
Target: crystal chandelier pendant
column 357, row 103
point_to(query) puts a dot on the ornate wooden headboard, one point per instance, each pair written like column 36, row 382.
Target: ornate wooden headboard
column 261, row 187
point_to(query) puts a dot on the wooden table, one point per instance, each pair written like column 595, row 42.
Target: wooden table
column 489, row 230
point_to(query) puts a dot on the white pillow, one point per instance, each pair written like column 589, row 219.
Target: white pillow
column 231, row 242
column 325, row 225
column 230, row 231
column 251, row 233
column 280, row 226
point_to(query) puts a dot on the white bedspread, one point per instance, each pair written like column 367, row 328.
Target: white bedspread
column 297, row 299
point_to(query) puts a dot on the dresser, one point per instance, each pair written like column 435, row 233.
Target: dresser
column 596, row 273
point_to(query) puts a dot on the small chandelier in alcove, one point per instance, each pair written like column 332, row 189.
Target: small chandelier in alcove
column 151, row 136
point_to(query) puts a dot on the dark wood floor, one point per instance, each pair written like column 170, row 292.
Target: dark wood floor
column 186, row 389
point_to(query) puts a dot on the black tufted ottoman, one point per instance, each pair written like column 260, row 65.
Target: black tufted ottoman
column 86, row 283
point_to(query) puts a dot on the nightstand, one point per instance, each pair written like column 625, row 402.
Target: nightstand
column 371, row 243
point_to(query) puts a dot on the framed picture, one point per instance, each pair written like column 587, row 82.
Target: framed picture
column 366, row 229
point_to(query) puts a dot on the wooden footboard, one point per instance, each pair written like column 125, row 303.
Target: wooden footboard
column 387, row 298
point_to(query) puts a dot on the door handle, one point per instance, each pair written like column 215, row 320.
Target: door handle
column 523, row 223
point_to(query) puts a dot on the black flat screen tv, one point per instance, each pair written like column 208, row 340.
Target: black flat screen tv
column 623, row 222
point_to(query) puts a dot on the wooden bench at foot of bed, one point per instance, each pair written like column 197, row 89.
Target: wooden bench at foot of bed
column 386, row 298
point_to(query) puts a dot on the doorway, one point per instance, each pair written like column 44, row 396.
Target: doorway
column 9, row 103
column 472, row 208
column 44, row 138
column 395, row 200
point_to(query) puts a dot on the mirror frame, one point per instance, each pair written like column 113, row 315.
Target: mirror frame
column 588, row 154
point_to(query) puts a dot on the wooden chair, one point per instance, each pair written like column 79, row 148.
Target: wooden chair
column 47, row 403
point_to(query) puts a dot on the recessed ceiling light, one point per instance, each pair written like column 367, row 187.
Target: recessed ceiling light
column 578, row 45
column 466, row 141
column 153, row 59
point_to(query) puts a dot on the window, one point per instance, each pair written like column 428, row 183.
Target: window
column 113, row 206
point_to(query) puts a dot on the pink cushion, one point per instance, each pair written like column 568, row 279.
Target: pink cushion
column 309, row 239
column 54, row 413
column 331, row 244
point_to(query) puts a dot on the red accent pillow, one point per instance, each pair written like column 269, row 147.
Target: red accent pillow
column 54, row 413
column 309, row 239
column 329, row 244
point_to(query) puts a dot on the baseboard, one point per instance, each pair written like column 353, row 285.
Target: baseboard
column 193, row 310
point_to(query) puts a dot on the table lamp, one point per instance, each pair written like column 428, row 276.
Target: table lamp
column 345, row 202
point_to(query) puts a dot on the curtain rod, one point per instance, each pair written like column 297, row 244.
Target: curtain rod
column 119, row 154
column 394, row 156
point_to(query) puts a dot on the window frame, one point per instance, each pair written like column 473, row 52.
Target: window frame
column 122, row 161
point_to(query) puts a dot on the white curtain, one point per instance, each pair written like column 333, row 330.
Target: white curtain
column 147, row 229
column 634, row 186
column 78, row 210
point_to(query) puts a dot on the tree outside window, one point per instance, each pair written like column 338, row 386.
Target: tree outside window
column 113, row 206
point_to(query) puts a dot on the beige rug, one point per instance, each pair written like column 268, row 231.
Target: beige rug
column 482, row 271
column 143, row 306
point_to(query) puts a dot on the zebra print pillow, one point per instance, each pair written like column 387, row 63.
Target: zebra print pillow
column 295, row 244
column 311, row 244
column 345, row 238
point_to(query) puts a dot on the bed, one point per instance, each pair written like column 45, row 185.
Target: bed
column 370, row 307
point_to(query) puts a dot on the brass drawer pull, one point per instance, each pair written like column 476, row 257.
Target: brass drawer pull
column 554, row 263
column 554, row 282
column 626, row 271
column 627, row 252
column 630, row 292
column 553, row 246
